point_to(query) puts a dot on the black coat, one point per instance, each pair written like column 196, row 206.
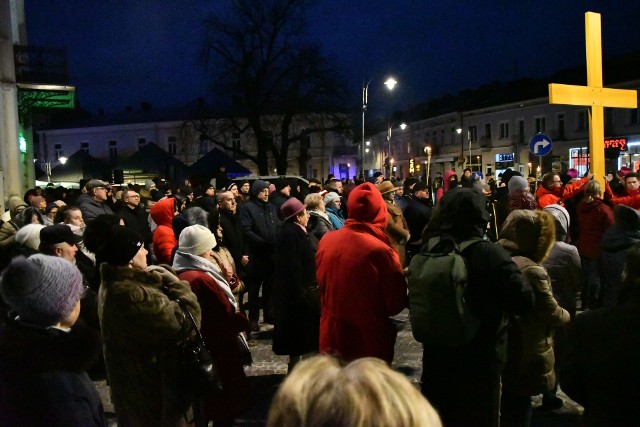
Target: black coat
column 600, row 368
column 136, row 219
column 295, row 295
column 234, row 237
column 43, row 379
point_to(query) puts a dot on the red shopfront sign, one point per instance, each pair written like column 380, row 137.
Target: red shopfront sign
column 619, row 143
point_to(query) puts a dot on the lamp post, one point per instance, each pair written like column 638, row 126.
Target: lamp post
column 390, row 83
column 47, row 167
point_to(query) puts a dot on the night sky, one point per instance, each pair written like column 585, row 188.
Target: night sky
column 122, row 52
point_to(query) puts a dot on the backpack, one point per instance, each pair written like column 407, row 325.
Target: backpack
column 437, row 280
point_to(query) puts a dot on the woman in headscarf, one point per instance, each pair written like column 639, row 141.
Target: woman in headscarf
column 141, row 326
column 222, row 324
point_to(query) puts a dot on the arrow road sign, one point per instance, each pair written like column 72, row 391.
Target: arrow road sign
column 540, row 145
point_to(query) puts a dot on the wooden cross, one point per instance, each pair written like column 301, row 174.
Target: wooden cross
column 593, row 95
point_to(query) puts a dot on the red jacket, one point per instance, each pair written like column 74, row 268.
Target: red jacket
column 593, row 220
column 220, row 327
column 361, row 282
column 552, row 197
column 163, row 239
column 631, row 199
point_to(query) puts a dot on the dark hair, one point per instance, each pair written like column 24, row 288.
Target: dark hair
column 631, row 175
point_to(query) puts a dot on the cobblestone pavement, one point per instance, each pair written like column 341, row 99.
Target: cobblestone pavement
column 269, row 370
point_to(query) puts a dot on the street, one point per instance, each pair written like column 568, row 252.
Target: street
column 268, row 371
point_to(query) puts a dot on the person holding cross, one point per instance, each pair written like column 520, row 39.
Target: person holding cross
column 552, row 192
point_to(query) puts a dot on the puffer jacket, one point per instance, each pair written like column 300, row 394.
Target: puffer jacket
column 164, row 239
column 529, row 236
column 141, row 325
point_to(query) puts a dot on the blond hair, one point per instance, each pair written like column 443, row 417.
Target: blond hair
column 592, row 189
column 313, row 200
column 366, row 392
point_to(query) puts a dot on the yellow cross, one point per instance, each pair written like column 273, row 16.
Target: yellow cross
column 593, row 95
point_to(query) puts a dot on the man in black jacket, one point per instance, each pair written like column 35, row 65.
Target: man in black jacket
column 260, row 224
column 134, row 215
column 463, row 383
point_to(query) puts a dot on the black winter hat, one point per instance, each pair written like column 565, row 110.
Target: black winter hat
column 120, row 246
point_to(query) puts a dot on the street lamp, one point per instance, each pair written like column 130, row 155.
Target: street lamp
column 390, row 83
column 47, row 166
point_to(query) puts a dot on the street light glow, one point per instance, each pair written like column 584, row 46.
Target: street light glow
column 63, row 160
column 391, row 83
column 459, row 131
column 368, row 143
column 403, row 126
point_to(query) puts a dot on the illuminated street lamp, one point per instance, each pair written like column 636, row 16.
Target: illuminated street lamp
column 47, row 167
column 390, row 83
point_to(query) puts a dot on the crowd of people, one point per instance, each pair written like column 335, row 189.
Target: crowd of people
column 95, row 282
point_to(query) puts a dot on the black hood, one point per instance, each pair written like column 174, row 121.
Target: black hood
column 460, row 213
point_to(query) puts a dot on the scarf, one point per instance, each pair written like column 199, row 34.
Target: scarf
column 184, row 261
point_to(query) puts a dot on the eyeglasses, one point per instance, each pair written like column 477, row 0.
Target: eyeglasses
column 134, row 195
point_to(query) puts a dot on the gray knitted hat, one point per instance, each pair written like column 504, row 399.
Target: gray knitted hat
column 257, row 186
column 42, row 290
column 517, row 183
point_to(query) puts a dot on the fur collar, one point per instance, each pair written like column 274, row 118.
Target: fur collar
column 528, row 233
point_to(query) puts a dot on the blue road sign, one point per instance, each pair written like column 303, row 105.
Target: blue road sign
column 540, row 145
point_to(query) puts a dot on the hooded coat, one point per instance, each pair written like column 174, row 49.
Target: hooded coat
column 163, row 238
column 529, row 236
column 616, row 242
column 594, row 219
column 9, row 228
column 141, row 326
column 361, row 282
column 446, row 185
column 563, row 263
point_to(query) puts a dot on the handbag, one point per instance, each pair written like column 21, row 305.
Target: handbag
column 198, row 370
column 243, row 350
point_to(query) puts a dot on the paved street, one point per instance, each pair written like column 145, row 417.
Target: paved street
column 268, row 371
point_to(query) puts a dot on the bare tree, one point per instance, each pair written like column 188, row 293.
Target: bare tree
column 262, row 62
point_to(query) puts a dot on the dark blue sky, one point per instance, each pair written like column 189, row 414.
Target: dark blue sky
column 122, row 52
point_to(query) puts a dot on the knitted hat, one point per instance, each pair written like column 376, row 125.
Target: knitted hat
column 517, row 183
column 331, row 197
column 291, row 208
column 196, row 240
column 257, row 186
column 121, row 244
column 281, row 183
column 562, row 220
column 41, row 289
column 29, row 236
column 148, row 184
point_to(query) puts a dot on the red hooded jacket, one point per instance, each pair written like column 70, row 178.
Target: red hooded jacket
column 361, row 282
column 163, row 239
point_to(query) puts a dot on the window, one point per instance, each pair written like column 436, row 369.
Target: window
column 113, row 152
column 561, row 126
column 171, row 145
column 473, row 133
column 142, row 142
column 504, row 130
column 540, row 124
column 583, row 123
column 84, row 146
column 59, row 152
column 453, row 135
column 521, row 132
column 487, row 130
column 441, row 136
column 235, row 140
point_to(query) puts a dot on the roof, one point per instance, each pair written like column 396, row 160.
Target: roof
column 211, row 162
column 153, row 159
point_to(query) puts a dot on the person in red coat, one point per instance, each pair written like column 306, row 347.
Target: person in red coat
column 361, row 282
column 552, row 192
column 594, row 219
column 164, row 241
column 221, row 322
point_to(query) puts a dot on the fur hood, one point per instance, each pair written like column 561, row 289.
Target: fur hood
column 530, row 234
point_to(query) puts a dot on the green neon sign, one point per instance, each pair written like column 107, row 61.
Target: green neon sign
column 22, row 143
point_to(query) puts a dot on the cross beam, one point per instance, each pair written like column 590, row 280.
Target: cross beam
column 593, row 95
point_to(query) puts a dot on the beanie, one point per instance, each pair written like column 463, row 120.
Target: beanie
column 517, row 183
column 148, row 184
column 121, row 244
column 41, row 289
column 626, row 218
column 29, row 236
column 281, row 183
column 331, row 197
column 196, row 240
column 573, row 173
column 257, row 186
